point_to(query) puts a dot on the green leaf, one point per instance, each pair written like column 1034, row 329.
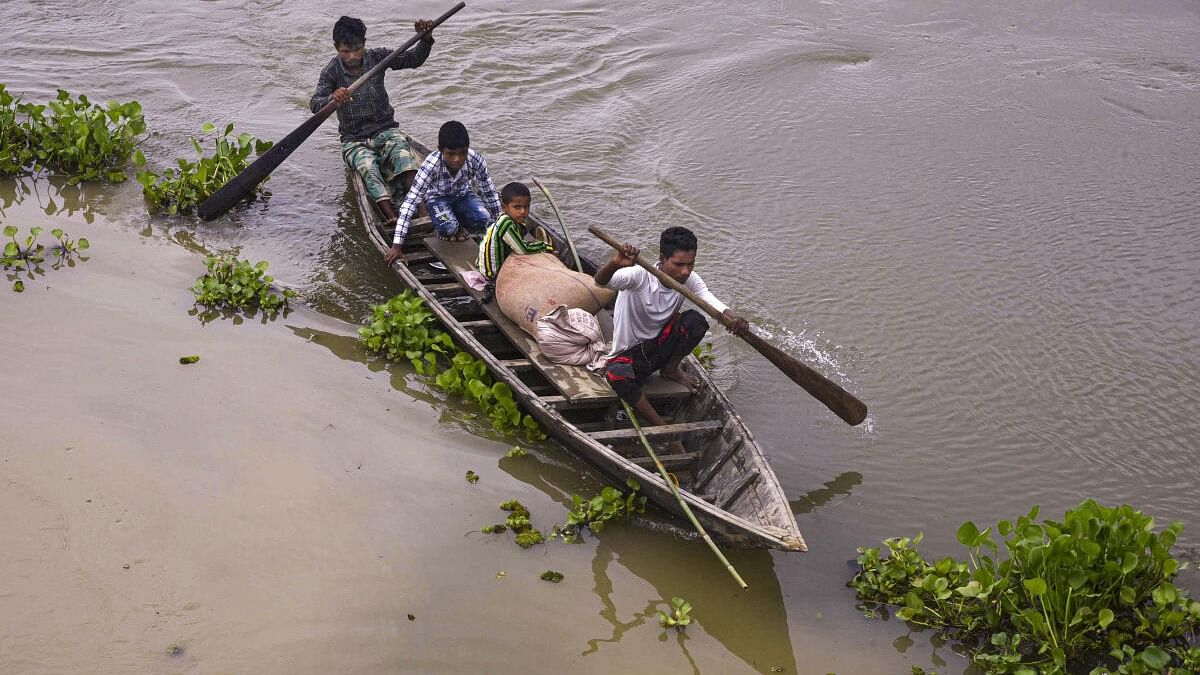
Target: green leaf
column 10, row 230
column 189, row 359
column 1155, row 657
column 19, row 286
column 968, row 534
column 1036, row 586
column 1129, row 562
column 1105, row 617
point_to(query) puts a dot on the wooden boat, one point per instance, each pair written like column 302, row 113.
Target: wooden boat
column 724, row 476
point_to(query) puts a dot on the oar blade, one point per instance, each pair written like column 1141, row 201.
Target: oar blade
column 243, row 184
column 841, row 402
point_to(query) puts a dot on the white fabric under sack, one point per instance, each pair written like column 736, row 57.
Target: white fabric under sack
column 571, row 336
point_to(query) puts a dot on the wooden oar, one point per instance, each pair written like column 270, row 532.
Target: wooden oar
column 244, row 183
column 561, row 224
column 841, row 402
column 687, row 510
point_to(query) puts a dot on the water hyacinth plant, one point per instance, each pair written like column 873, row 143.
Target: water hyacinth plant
column 181, row 189
column 1093, row 591
column 403, row 329
column 595, row 513
column 72, row 137
column 680, row 616
column 15, row 153
column 25, row 255
column 232, row 284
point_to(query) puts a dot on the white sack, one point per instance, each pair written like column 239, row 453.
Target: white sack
column 571, row 336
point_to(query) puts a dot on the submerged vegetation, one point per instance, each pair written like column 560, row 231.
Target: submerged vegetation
column 23, row 256
column 238, row 285
column 77, row 138
column 403, row 329
column 177, row 190
column 1093, row 591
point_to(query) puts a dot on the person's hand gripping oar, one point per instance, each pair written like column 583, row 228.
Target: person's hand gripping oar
column 841, row 402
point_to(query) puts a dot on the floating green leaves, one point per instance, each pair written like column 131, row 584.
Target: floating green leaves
column 23, row 256
column 189, row 359
column 704, row 354
column 73, row 137
column 181, row 189
column 1094, row 590
column 595, row 513
column 518, row 522
column 680, row 616
column 472, row 477
column 551, row 576
column 516, row 451
column 238, row 285
column 403, row 329
column 493, row 529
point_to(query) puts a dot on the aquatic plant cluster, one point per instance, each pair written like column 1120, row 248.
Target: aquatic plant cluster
column 1092, row 591
column 594, row 513
column 23, row 256
column 403, row 329
column 233, row 284
column 680, row 616
column 86, row 141
column 177, row 190
column 518, row 522
column 77, row 138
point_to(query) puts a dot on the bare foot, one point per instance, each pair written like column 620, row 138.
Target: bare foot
column 681, row 377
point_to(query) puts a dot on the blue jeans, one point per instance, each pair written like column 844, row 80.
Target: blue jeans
column 448, row 212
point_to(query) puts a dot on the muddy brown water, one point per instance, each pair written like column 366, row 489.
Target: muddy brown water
column 979, row 219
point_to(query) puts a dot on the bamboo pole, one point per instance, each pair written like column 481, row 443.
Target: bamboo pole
column 561, row 224
column 662, row 470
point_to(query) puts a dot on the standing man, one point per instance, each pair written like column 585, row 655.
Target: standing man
column 371, row 141
column 649, row 332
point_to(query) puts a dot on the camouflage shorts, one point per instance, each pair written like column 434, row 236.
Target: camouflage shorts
column 380, row 160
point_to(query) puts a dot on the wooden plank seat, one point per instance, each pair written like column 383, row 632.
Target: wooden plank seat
column 670, row 462
column 656, row 431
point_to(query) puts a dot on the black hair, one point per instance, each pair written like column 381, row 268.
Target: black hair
column 453, row 135
column 676, row 239
column 513, row 190
column 349, row 31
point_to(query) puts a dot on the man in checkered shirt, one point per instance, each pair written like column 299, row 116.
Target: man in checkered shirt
column 371, row 140
column 445, row 183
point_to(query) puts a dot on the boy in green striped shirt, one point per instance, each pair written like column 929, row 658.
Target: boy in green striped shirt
column 505, row 236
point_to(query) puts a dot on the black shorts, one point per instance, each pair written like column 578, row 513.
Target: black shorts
column 627, row 371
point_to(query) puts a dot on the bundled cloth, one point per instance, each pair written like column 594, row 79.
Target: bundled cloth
column 571, row 335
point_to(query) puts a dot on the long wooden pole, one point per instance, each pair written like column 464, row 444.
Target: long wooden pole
column 841, row 402
column 687, row 510
column 244, row 183
column 561, row 224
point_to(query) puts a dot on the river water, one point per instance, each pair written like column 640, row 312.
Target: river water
column 978, row 218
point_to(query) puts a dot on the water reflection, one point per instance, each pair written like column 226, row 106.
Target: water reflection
column 835, row 489
column 750, row 624
column 53, row 195
column 350, row 274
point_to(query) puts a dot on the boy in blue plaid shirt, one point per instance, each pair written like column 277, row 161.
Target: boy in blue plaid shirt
column 445, row 181
column 371, row 140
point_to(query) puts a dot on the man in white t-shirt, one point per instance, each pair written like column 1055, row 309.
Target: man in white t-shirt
column 649, row 332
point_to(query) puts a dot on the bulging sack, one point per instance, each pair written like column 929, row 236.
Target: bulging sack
column 571, row 336
column 530, row 286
